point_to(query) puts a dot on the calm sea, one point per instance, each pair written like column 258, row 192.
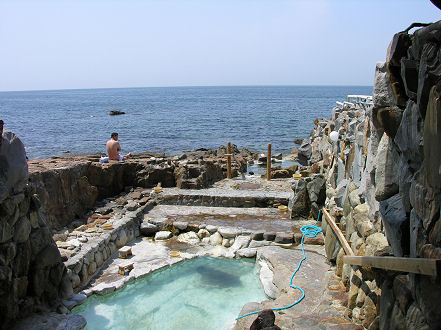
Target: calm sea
column 168, row 119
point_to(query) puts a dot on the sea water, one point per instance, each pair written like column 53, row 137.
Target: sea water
column 168, row 119
column 201, row 293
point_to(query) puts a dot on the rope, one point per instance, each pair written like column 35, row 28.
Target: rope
column 307, row 231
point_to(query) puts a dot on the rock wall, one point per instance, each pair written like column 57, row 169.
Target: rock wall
column 70, row 186
column 95, row 247
column 32, row 276
column 383, row 183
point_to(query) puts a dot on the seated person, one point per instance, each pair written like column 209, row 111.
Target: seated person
column 113, row 149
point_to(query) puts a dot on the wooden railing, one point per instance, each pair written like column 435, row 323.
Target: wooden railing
column 422, row 266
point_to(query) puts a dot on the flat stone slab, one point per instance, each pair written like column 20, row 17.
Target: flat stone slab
column 243, row 219
column 231, row 193
column 318, row 310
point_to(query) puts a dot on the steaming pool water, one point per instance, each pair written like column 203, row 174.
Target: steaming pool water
column 201, row 293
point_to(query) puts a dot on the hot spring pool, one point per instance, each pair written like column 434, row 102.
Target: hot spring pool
column 201, row 293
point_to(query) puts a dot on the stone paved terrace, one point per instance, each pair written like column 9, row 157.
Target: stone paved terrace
column 249, row 191
column 245, row 220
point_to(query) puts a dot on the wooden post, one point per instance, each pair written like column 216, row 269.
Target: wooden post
column 229, row 160
column 268, row 163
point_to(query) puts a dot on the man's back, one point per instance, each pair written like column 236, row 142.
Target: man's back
column 113, row 149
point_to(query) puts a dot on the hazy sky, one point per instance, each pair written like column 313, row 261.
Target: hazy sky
column 132, row 43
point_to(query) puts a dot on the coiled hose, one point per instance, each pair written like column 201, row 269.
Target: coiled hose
column 307, row 231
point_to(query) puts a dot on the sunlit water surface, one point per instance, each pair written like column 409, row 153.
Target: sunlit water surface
column 202, row 293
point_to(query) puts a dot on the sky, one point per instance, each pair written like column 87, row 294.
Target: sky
column 70, row 44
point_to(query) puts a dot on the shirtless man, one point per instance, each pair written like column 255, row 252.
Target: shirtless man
column 113, row 149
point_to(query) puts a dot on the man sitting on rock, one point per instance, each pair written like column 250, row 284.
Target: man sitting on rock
column 113, row 149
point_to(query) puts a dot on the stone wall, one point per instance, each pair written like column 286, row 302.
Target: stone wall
column 94, row 249
column 32, row 275
column 384, row 184
column 70, row 186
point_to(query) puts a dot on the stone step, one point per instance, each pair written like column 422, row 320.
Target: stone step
column 224, row 197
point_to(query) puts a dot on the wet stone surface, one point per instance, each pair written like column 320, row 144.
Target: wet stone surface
column 244, row 219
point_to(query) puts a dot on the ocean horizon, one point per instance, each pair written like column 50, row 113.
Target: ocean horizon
column 167, row 119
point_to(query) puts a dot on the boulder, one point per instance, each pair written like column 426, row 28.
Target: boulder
column 246, row 253
column 332, row 245
column 202, row 233
column 13, row 164
column 181, row 225
column 228, row 232
column 121, row 239
column 163, row 235
column 265, row 320
column 415, row 318
column 284, row 238
column 374, row 243
column 299, row 204
column 304, row 153
column 402, row 292
column 382, row 94
column 389, row 118
column 240, row 242
column 216, row 239
column 317, row 189
column 211, row 228
column 22, row 230
column 428, row 299
column 363, row 225
column 116, row 112
column 410, row 136
column 432, row 139
column 131, row 206
column 386, row 178
column 189, row 237
column 148, row 229
column 396, row 225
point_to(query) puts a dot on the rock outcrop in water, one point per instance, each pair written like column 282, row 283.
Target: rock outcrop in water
column 383, row 184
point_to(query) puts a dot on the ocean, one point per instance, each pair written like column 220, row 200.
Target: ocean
column 168, row 119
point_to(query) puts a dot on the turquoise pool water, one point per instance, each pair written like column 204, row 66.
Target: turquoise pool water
column 202, row 293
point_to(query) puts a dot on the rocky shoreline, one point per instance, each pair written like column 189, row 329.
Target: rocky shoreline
column 378, row 179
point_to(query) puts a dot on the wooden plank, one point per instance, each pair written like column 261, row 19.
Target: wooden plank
column 338, row 233
column 408, row 265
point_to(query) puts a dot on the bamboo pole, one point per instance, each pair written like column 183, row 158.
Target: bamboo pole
column 338, row 233
column 229, row 160
column 268, row 163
